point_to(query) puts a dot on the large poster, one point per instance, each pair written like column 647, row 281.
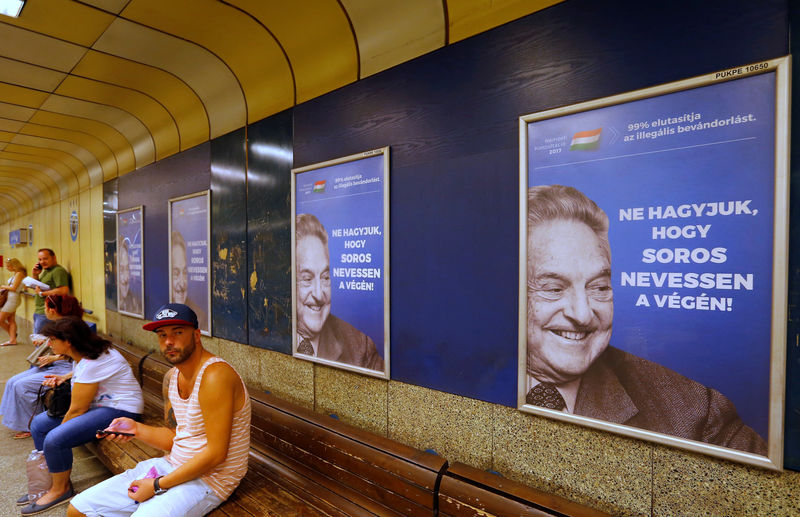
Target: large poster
column 653, row 263
column 190, row 281
column 340, row 243
column 130, row 262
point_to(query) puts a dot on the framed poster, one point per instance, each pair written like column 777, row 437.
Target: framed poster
column 189, row 272
column 340, row 262
column 130, row 262
column 653, row 263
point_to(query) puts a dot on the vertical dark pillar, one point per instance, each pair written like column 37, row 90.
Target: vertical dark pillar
column 269, row 150
column 229, row 236
column 110, row 196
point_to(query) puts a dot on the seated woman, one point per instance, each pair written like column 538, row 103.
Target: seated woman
column 7, row 320
column 19, row 397
column 103, row 388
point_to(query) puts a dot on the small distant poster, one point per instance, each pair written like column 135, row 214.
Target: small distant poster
column 653, row 274
column 190, row 274
column 340, row 245
column 130, row 262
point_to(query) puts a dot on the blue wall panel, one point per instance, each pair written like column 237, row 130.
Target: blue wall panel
column 152, row 187
column 269, row 269
column 451, row 119
column 229, row 236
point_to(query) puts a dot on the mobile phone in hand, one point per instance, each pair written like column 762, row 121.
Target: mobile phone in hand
column 103, row 432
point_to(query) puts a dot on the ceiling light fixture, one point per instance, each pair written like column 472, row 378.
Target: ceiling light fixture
column 11, row 7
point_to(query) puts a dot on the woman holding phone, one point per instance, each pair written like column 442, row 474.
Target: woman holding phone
column 103, row 388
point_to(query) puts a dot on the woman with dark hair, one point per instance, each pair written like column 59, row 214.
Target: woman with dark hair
column 19, row 396
column 103, row 388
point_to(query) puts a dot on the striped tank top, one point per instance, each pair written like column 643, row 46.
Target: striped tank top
column 190, row 436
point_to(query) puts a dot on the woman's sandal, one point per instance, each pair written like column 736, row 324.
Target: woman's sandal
column 22, row 435
column 8, row 343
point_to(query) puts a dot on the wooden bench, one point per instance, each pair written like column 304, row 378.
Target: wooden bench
column 301, row 463
column 304, row 463
column 468, row 491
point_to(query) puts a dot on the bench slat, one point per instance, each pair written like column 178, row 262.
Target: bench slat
column 333, row 476
column 358, row 465
column 410, row 454
column 305, row 482
column 466, row 490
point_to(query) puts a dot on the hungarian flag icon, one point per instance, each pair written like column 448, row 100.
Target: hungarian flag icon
column 586, row 140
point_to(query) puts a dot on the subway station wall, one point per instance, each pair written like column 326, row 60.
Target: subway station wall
column 451, row 120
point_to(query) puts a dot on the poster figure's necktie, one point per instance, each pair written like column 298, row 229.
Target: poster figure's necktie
column 305, row 347
column 546, row 395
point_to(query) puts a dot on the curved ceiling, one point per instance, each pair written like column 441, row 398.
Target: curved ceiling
column 93, row 89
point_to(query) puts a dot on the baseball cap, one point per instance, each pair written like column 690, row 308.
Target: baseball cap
column 172, row 314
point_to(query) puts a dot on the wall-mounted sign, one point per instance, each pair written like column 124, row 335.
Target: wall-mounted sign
column 73, row 225
column 340, row 262
column 130, row 261
column 190, row 274
column 653, row 234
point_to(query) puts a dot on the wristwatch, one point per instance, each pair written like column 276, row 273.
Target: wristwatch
column 157, row 486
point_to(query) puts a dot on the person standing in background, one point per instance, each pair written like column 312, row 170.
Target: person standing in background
column 7, row 320
column 48, row 271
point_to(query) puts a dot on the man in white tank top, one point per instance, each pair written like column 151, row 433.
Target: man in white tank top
column 208, row 409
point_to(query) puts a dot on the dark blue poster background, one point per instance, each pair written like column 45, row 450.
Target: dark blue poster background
column 129, row 234
column 189, row 217
column 348, row 201
column 687, row 181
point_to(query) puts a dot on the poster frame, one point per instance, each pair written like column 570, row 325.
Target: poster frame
column 207, row 194
column 140, row 208
column 778, row 324
column 384, row 151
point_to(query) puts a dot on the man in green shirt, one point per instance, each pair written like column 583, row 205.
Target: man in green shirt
column 48, row 271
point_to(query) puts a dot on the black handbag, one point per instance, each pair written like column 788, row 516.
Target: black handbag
column 56, row 400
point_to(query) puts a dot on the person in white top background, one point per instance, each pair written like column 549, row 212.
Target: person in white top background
column 7, row 320
column 103, row 388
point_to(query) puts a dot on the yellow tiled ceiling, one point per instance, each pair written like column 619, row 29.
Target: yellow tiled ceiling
column 21, row 96
column 30, row 76
column 37, row 183
column 111, row 6
column 104, row 139
column 121, row 123
column 317, row 69
column 63, row 19
column 23, row 170
column 10, row 125
column 255, row 61
column 159, row 127
column 210, row 79
column 394, row 31
column 39, row 49
column 30, row 184
column 92, row 89
column 184, row 106
column 87, row 159
column 14, row 112
column 93, row 144
column 76, row 168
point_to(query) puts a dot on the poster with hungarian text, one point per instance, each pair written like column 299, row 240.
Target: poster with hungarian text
column 653, row 235
column 340, row 262
column 130, row 262
column 190, row 274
